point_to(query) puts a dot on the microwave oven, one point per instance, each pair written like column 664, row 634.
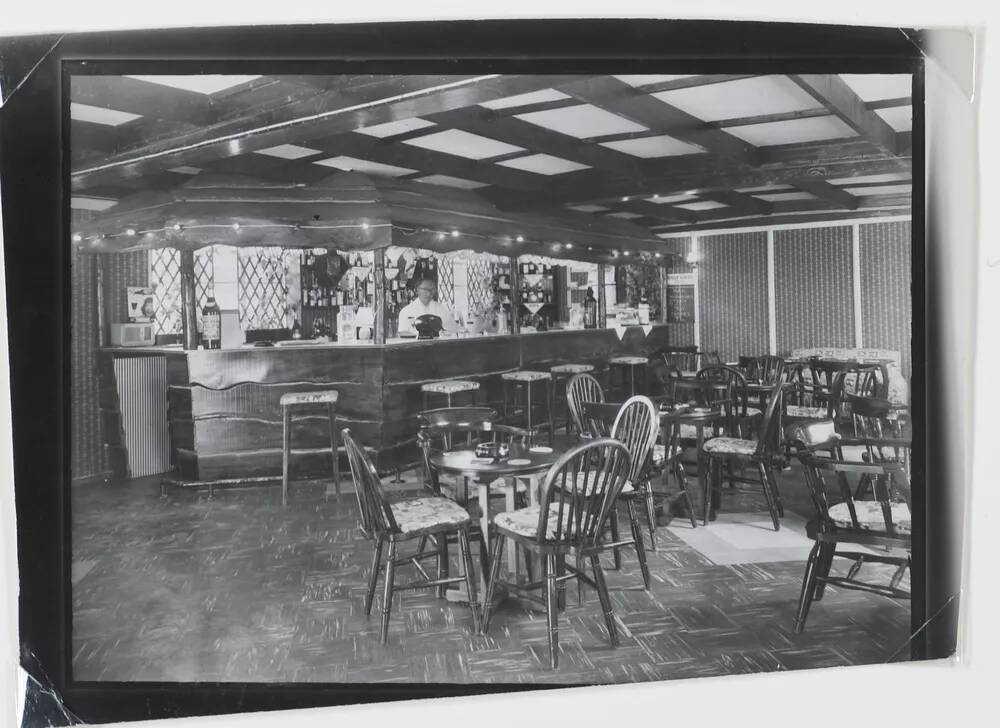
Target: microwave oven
column 132, row 334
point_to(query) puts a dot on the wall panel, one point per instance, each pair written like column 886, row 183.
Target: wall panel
column 681, row 334
column 886, row 300
column 814, row 296
column 733, row 292
column 87, row 452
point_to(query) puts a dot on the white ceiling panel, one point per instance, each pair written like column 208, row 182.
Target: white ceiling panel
column 900, row 118
column 543, row 164
column 463, row 144
column 878, row 86
column 880, row 190
column 783, row 196
column 202, row 83
column 588, row 208
column 669, row 198
column 448, row 181
column 392, row 128
column 765, row 188
column 353, row 164
column 817, row 128
column 100, row 115
column 185, row 170
column 533, row 97
column 655, row 146
column 91, row 203
column 625, row 215
column 703, row 205
column 582, row 121
column 650, row 78
column 755, row 96
column 865, row 178
column 288, row 151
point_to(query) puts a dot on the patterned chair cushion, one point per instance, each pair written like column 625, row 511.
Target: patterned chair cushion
column 572, row 368
column 450, row 387
column 870, row 516
column 630, row 360
column 418, row 514
column 526, row 375
column 660, row 452
column 730, row 446
column 588, row 487
column 524, row 521
column 450, row 487
column 753, row 412
column 802, row 412
column 291, row 399
column 690, row 432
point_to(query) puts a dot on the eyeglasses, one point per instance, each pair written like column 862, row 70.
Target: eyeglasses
column 426, row 290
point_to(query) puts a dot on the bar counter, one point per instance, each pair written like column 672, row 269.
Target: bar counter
column 225, row 420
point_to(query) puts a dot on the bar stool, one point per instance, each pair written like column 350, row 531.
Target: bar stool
column 627, row 364
column 562, row 373
column 448, row 388
column 309, row 400
column 526, row 377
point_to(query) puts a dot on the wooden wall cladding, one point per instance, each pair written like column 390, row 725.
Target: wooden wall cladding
column 886, row 298
column 87, row 456
column 681, row 334
column 733, row 294
column 814, row 293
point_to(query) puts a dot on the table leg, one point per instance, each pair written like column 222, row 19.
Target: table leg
column 531, row 433
column 510, row 489
column 700, row 459
column 533, row 485
column 484, row 524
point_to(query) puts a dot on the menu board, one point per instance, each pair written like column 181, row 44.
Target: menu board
column 680, row 298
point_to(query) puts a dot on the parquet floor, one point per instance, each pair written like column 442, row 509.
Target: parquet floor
column 236, row 588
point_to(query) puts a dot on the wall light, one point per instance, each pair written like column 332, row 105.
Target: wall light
column 693, row 259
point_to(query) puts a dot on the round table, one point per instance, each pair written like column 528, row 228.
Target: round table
column 700, row 418
column 483, row 471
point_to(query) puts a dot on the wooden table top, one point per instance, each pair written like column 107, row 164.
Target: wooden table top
column 465, row 462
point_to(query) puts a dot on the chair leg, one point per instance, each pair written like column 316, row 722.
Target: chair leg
column 768, row 495
column 561, row 585
column 444, row 567
column 390, row 574
column 470, row 576
column 529, row 568
column 373, row 576
column 551, row 609
column 334, row 454
column 286, row 453
column 640, row 548
column 808, row 588
column 772, row 479
column 823, row 566
column 650, row 514
column 683, row 482
column 602, row 593
column 713, row 468
column 498, row 549
column 615, row 537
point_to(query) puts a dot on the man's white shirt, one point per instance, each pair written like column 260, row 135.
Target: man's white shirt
column 415, row 308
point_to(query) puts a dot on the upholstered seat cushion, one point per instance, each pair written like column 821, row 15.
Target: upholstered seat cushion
column 629, row 360
column 730, row 446
column 450, row 387
column 526, row 376
column 752, row 412
column 572, row 368
column 803, row 412
column 660, row 453
column 870, row 516
column 586, row 488
column 690, row 432
column 421, row 514
column 524, row 521
column 450, row 487
column 290, row 399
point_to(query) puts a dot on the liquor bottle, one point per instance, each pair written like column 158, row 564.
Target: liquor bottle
column 212, row 324
column 590, row 310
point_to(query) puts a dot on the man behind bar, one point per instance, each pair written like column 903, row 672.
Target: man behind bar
column 425, row 303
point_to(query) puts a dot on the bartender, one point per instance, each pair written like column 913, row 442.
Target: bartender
column 425, row 304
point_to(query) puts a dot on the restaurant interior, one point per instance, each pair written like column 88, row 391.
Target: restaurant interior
column 489, row 379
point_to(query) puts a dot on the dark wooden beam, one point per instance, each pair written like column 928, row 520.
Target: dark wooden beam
column 770, row 118
column 826, row 191
column 149, row 100
column 537, row 139
column 311, row 115
column 691, row 81
column 834, row 93
column 610, row 94
column 763, row 221
column 737, row 201
column 654, row 211
column 889, row 103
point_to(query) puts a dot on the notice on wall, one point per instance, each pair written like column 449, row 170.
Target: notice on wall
column 680, row 298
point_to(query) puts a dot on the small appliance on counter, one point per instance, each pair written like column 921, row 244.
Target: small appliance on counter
column 428, row 326
column 132, row 335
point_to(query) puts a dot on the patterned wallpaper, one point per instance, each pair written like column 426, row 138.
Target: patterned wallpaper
column 85, row 422
column 681, row 334
column 886, row 302
column 814, row 296
column 733, row 293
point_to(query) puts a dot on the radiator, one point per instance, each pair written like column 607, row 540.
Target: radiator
column 142, row 398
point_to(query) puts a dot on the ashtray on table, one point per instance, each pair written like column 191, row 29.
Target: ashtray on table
column 496, row 451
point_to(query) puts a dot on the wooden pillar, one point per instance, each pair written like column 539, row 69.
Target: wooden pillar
column 602, row 302
column 102, row 314
column 515, row 297
column 662, row 272
column 189, row 306
column 381, row 320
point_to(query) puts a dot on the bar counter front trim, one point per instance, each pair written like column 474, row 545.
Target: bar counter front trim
column 225, row 421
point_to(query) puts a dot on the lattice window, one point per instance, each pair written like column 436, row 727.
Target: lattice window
column 446, row 281
column 204, row 275
column 263, row 288
column 165, row 279
column 480, row 274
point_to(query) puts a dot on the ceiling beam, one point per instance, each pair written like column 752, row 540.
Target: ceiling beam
column 831, row 216
column 655, row 211
column 889, row 103
column 305, row 117
column 834, row 93
column 826, row 191
column 690, row 81
column 617, row 97
column 737, row 201
column 149, row 100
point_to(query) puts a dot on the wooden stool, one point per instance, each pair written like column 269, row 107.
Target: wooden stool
column 288, row 403
column 525, row 377
column 627, row 364
column 448, row 388
column 562, row 373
